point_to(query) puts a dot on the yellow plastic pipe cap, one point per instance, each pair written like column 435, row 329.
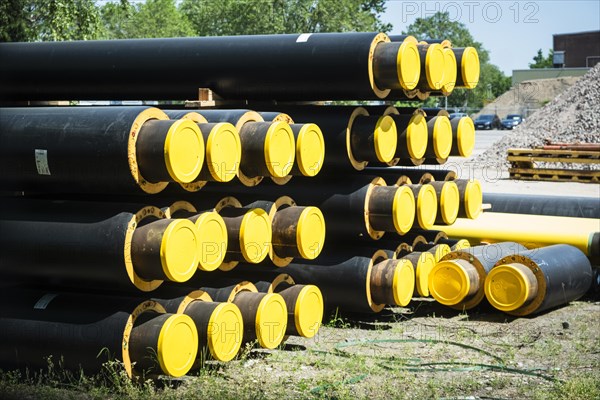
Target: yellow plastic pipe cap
column 416, row 136
column 507, row 286
column 442, row 137
column 308, row 312
column 271, row 320
column 440, row 251
column 385, row 138
column 403, row 282
column 449, row 202
column 177, row 345
column 310, row 233
column 423, row 268
column 223, row 152
column 279, row 149
column 212, row 235
column 449, row 283
column 255, row 235
column 408, row 65
column 403, row 210
column 470, row 68
column 426, row 206
column 465, row 136
column 435, row 66
column 310, row 149
column 473, row 199
column 184, row 151
column 180, row 250
column 462, row 244
column 225, row 331
column 450, row 72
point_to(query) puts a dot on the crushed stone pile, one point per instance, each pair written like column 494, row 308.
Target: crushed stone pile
column 572, row 117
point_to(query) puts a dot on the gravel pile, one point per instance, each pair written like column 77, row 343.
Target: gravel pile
column 572, row 117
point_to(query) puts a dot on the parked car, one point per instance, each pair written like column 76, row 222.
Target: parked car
column 487, row 121
column 511, row 121
column 457, row 115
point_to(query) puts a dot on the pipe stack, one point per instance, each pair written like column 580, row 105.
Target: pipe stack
column 245, row 221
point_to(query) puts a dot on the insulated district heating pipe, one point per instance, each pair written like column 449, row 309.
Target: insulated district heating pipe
column 309, row 66
column 560, row 206
column 539, row 279
column 84, row 331
column 96, row 149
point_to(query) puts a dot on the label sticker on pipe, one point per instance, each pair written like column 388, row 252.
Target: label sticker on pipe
column 303, row 38
column 41, row 162
column 43, row 302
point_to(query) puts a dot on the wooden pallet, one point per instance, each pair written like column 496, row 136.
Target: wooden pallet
column 557, row 175
column 563, row 156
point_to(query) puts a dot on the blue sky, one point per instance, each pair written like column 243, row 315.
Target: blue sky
column 512, row 31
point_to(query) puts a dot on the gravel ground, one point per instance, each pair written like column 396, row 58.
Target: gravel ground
column 572, row 117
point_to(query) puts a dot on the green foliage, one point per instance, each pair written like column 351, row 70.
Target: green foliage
column 492, row 82
column 543, row 62
column 247, row 17
column 53, row 20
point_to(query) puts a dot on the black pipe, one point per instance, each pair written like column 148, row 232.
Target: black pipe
column 57, row 243
column 317, row 66
column 458, row 278
column 547, row 277
column 223, row 149
column 361, row 207
column 561, row 206
column 85, row 331
column 219, row 324
column 96, row 149
column 264, row 314
column 349, row 134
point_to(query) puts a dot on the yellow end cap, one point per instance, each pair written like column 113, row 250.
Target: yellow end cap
column 465, row 136
column 177, row 345
column 426, row 206
column 450, row 72
column 462, row 244
column 403, row 210
column 507, row 287
column 423, row 269
column 470, row 68
column 449, row 202
column 473, row 199
column 442, row 137
column 440, row 251
column 212, row 235
column 225, row 331
column 184, row 151
column 310, row 150
column 180, row 250
column 271, row 320
column 308, row 311
column 223, row 152
column 279, row 149
column 255, row 235
column 310, row 233
column 449, row 283
column 385, row 138
column 435, row 66
column 408, row 65
column 403, row 283
column 416, row 136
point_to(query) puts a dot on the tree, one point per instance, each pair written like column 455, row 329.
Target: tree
column 543, row 62
column 151, row 19
column 246, row 17
column 30, row 20
column 492, row 81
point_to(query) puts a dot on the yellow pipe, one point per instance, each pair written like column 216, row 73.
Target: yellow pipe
column 530, row 230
